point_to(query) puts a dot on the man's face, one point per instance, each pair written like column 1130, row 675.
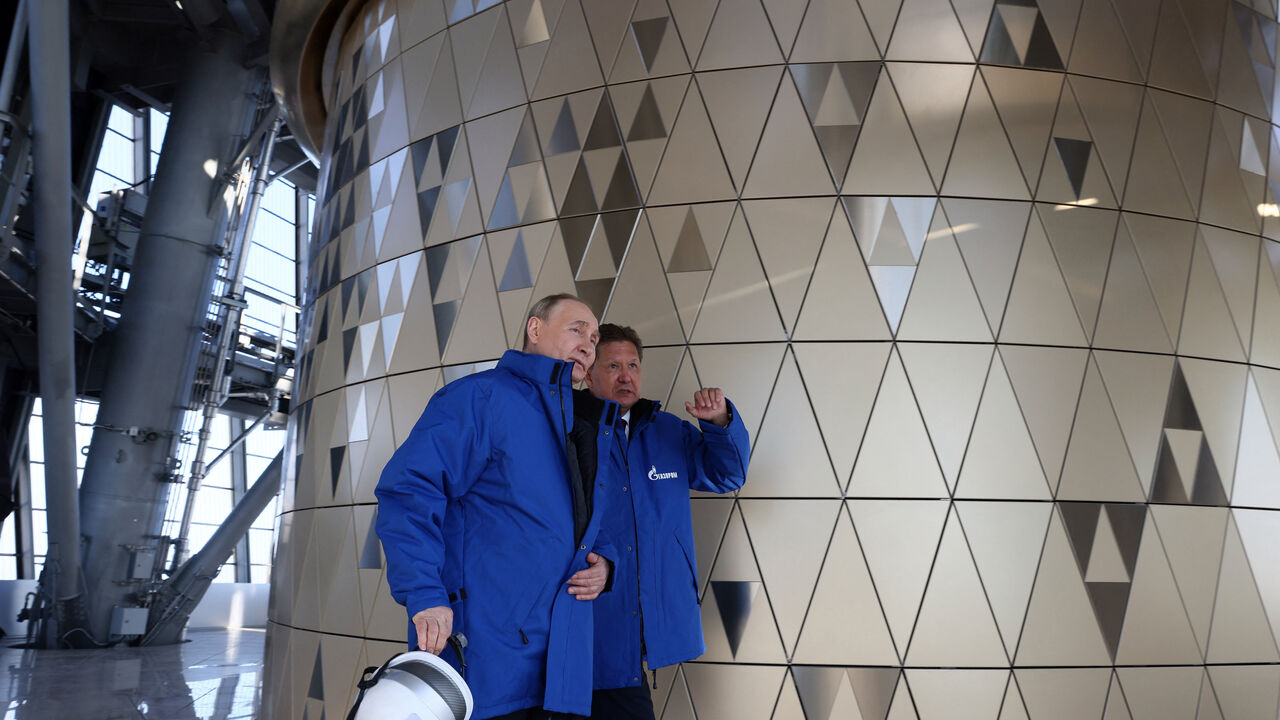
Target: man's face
column 616, row 373
column 569, row 333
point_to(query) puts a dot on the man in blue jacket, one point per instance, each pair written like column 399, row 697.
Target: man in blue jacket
column 651, row 616
column 487, row 515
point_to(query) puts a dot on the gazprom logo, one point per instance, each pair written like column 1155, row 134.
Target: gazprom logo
column 655, row 475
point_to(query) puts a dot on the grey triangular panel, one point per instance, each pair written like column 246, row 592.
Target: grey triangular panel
column 1001, row 460
column 943, row 304
column 897, row 459
column 850, row 375
column 1040, row 310
column 948, row 380
column 1240, row 632
column 982, row 163
column 928, row 30
column 788, row 235
column 989, row 234
column 788, row 160
column 739, row 35
column 832, row 31
column 1098, row 464
column 933, row 97
column 738, row 102
column 1156, row 631
column 789, row 458
column 1081, row 239
column 840, row 280
column 963, row 695
column 1006, row 539
column 738, row 306
column 1163, row 692
column 886, row 160
column 692, row 168
column 1060, row 628
column 1064, row 692
column 1129, row 316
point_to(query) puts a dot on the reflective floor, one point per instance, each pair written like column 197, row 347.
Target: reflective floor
column 214, row 676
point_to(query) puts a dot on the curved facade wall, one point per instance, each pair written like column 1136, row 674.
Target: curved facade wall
column 995, row 285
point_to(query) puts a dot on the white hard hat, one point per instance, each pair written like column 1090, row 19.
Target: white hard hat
column 414, row 685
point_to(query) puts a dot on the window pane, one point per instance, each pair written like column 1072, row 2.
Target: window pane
column 121, row 121
column 35, row 439
column 219, row 475
column 211, row 506
column 37, row 487
column 255, row 466
column 274, row 233
column 279, row 199
column 7, row 541
column 260, row 574
column 198, row 536
column 159, row 125
column 265, row 443
column 226, row 573
column 116, row 157
column 259, row 546
column 267, row 518
column 39, row 533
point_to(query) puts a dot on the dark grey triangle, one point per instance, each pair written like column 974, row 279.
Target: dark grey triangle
column 647, row 124
column 446, row 141
column 445, row 314
column 564, row 135
column 1207, row 487
column 362, row 290
column 517, row 276
column 323, row 333
column 997, row 47
column 437, row 260
column 1127, row 520
column 526, row 147
column 427, row 208
column 691, row 252
column 648, row 35
column 817, row 687
column 873, row 688
column 811, row 83
column 1041, row 52
column 420, row 151
column 595, row 293
column 316, row 691
column 579, row 198
column 1180, row 412
column 336, row 456
column 348, row 342
column 371, row 554
column 576, row 233
column 604, row 127
column 1074, row 155
column 622, row 192
column 837, row 143
column 1110, row 601
column 734, row 600
column 504, row 213
column 1081, row 520
column 617, row 231
column 362, row 161
column 1166, row 483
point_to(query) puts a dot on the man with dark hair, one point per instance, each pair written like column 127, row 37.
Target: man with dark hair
column 488, row 518
column 651, row 616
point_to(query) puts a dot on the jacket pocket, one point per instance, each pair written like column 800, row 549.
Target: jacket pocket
column 689, row 560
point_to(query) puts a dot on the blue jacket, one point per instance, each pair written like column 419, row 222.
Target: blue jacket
column 649, row 523
column 476, row 511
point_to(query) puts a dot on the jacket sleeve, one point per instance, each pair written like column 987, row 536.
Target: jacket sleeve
column 442, row 458
column 718, row 456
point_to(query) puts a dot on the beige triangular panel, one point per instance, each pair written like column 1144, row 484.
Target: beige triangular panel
column 1162, row 692
column 928, row 30
column 1081, row 239
column 845, row 625
column 650, row 45
column 790, row 538
column 738, row 102
column 1154, row 184
column 897, row 459
column 740, row 35
column 1138, row 385
column 1243, row 691
column 1233, row 176
column 833, row 31
column 933, row 97
column 1192, row 540
column 378, row 451
column 1101, row 47
column 567, row 66
column 1187, row 124
column 788, row 235
column 1098, row 464
column 479, row 312
column 1040, row 309
column 500, row 84
column 840, row 282
column 886, row 160
column 961, row 695
column 1240, row 632
column 1060, row 628
column 1173, row 65
column 745, row 372
column 1235, row 260
column 1025, row 101
column 948, row 381
column 710, row 519
column 902, row 707
column 1218, row 390
column 1260, row 534
column 983, row 163
column 738, row 306
column 678, row 705
column 1063, row 692
column 491, row 157
column 1156, row 627
column 1001, row 460
column 849, row 375
column 989, row 234
column 737, row 617
column 338, row 672
column 788, row 707
column 943, row 304
column 1257, row 477
column 955, row 627
column 1013, row 708
column 640, row 296
column 1265, row 349
column 1117, row 707
column 645, row 147
column 1111, row 111
column 341, row 611
column 899, row 540
column 692, row 167
column 1006, row 539
column 731, row 692
column 1130, row 317
column 610, row 27
column 686, row 383
column 788, row 458
column 788, row 160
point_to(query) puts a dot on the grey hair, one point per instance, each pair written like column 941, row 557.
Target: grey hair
column 542, row 310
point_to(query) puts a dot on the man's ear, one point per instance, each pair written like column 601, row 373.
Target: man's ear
column 533, row 329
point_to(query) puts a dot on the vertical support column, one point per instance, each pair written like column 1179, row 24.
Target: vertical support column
column 51, row 79
column 149, row 377
column 301, row 248
column 239, row 482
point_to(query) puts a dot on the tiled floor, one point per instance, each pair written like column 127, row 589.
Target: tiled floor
column 216, row 675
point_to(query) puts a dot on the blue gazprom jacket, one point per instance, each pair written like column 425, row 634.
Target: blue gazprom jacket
column 476, row 511
column 652, row 613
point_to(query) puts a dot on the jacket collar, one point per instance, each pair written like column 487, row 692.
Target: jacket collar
column 643, row 411
column 537, row 369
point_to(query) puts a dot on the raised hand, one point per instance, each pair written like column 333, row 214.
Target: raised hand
column 709, row 404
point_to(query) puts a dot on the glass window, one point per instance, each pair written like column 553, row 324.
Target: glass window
column 121, row 121
column 211, row 506
column 39, row 533
column 274, row 233
column 260, row 574
column 279, row 198
column 8, row 543
column 159, row 125
column 38, row 501
column 117, row 157
column 265, row 443
column 35, row 440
